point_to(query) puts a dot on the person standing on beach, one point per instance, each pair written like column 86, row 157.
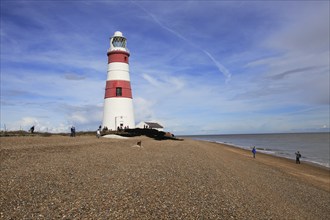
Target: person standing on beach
column 71, row 134
column 98, row 133
column 254, row 151
column 73, row 131
column 31, row 129
column 298, row 155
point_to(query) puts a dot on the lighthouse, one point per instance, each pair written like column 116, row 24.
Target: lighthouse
column 118, row 101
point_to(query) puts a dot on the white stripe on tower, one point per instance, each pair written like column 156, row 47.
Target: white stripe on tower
column 118, row 101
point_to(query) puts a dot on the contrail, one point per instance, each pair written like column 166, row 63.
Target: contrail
column 161, row 24
column 220, row 67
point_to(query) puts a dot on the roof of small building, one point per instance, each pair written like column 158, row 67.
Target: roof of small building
column 154, row 125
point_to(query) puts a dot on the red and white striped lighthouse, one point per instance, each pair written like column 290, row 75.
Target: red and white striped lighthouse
column 118, row 101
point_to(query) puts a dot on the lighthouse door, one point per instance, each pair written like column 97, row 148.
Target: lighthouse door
column 120, row 122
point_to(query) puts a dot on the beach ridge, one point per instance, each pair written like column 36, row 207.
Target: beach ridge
column 85, row 177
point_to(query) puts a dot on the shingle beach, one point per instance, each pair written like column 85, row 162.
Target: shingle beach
column 59, row 177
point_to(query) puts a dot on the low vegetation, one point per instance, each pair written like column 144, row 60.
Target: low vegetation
column 151, row 133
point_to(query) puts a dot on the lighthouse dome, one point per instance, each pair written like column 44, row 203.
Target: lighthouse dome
column 118, row 34
column 118, row 42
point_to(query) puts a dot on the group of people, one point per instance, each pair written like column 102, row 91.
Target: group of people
column 298, row 155
column 121, row 128
column 73, row 132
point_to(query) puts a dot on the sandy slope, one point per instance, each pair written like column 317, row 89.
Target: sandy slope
column 88, row 178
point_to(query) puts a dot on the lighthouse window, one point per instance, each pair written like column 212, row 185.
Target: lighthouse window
column 118, row 91
column 119, row 42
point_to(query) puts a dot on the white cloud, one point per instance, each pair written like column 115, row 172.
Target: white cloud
column 84, row 114
column 40, row 125
column 28, row 121
column 143, row 109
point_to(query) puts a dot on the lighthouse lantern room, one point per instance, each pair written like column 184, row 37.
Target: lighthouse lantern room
column 118, row 100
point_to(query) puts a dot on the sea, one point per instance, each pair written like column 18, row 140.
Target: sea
column 314, row 147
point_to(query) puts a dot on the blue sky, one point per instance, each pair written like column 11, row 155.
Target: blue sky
column 197, row 67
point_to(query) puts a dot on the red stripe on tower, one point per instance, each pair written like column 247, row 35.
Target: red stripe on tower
column 118, row 56
column 118, row 89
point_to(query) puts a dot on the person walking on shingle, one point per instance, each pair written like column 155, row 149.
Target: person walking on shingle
column 254, row 151
column 32, row 129
column 298, row 156
column 98, row 133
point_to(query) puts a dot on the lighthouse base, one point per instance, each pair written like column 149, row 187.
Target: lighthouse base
column 118, row 114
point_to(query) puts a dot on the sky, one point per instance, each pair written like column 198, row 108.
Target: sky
column 196, row 67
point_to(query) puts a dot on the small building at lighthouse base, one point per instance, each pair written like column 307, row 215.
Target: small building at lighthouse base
column 150, row 125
